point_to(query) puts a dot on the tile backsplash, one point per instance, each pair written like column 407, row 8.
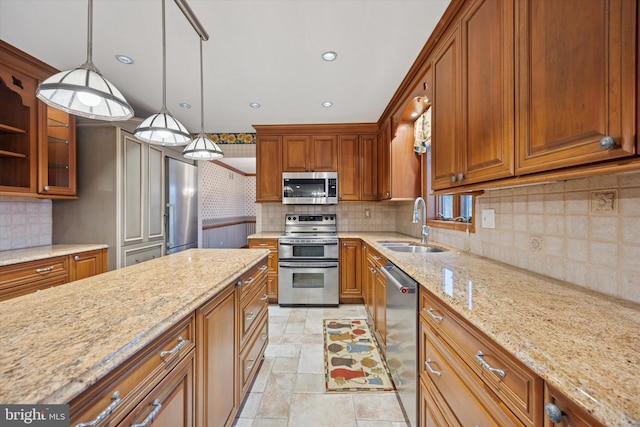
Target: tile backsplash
column 584, row 231
column 24, row 222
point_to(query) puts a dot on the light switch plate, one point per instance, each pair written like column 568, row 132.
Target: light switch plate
column 488, row 218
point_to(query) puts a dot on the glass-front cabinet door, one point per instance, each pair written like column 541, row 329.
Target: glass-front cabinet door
column 56, row 174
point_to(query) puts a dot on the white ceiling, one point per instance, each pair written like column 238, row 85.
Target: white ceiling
column 266, row 51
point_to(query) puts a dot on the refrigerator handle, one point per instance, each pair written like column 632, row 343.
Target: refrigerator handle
column 170, row 226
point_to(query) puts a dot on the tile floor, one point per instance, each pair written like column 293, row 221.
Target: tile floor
column 289, row 388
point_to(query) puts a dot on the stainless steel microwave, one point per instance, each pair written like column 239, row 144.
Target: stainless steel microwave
column 309, row 188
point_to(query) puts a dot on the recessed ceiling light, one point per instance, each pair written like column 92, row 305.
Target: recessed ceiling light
column 185, row 105
column 254, row 105
column 327, row 104
column 329, row 56
column 124, row 59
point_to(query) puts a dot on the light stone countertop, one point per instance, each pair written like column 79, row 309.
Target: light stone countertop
column 16, row 256
column 585, row 344
column 57, row 342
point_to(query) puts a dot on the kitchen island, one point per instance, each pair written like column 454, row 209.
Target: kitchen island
column 58, row 342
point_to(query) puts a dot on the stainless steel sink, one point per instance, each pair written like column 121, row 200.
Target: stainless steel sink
column 411, row 247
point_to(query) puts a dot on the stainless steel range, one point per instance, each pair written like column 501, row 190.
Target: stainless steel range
column 308, row 260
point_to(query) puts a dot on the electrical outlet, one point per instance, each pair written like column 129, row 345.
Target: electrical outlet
column 488, row 218
column 367, row 213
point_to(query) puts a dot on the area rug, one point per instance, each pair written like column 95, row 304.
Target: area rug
column 352, row 358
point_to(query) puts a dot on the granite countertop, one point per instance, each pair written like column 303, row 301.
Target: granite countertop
column 16, row 256
column 59, row 341
column 585, row 344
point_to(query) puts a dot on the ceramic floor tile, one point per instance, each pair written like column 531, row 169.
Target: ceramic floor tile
column 285, row 365
column 322, row 410
column 270, row 422
column 294, row 328
column 310, row 383
column 250, row 406
column 275, row 404
column 282, row 350
column 311, row 359
column 377, row 407
column 302, row 338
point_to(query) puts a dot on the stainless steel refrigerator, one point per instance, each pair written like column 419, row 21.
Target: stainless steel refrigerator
column 181, row 215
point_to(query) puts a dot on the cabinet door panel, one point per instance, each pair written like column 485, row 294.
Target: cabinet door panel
column 324, row 154
column 577, row 80
column 350, row 268
column 132, row 183
column 268, row 168
column 368, row 176
column 348, row 168
column 295, row 154
column 155, row 188
column 445, row 122
column 487, row 91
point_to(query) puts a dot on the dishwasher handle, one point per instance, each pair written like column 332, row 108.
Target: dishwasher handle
column 409, row 285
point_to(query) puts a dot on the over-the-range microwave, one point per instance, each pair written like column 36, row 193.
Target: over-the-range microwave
column 309, row 188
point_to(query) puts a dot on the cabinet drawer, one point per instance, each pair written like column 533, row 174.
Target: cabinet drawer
column 252, row 280
column 17, row 274
column 138, row 255
column 441, row 366
column 118, row 392
column 518, row 387
column 251, row 311
column 251, row 355
column 29, row 287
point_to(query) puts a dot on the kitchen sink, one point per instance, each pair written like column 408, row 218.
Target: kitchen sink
column 411, row 247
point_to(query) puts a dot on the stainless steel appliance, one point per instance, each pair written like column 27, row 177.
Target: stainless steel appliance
column 308, row 261
column 309, row 188
column 402, row 312
column 181, row 215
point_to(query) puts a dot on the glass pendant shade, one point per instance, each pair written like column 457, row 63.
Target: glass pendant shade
column 84, row 91
column 163, row 129
column 202, row 148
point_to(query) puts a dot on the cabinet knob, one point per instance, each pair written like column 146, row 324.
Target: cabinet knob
column 460, row 176
column 553, row 413
column 607, row 143
column 46, row 188
column 453, row 178
column 76, row 258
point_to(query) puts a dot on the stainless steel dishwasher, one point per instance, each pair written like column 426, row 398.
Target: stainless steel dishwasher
column 402, row 315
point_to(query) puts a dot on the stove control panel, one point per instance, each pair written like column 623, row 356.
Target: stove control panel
column 304, row 219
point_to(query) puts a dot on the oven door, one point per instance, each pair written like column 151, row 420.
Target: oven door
column 289, row 250
column 308, row 283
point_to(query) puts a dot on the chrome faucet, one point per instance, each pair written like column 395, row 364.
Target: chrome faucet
column 416, row 218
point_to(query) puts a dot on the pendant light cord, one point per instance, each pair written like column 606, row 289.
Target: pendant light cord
column 201, row 91
column 90, row 33
column 164, row 61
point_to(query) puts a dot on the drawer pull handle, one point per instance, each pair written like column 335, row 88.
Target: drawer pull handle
column 553, row 413
column 249, row 316
column 181, row 343
column 434, row 316
column 115, row 400
column 263, row 244
column 264, row 297
column 427, row 363
column 44, row 270
column 251, row 363
column 249, row 280
column 157, row 407
column 264, row 336
column 263, row 268
column 484, row 364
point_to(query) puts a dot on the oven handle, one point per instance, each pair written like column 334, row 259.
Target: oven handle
column 305, row 265
column 309, row 244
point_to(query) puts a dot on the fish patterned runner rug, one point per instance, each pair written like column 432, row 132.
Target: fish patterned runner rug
column 352, row 358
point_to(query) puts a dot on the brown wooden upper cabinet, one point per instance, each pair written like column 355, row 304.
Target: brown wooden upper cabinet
column 268, row 168
column 357, row 167
column 304, row 153
column 37, row 142
column 472, row 115
column 576, row 82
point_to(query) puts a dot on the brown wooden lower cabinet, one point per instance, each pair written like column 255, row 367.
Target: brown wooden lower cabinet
column 217, row 396
column 560, row 411
column 27, row 277
column 272, row 264
column 375, row 293
column 350, row 270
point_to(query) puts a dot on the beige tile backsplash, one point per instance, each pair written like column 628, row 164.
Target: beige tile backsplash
column 24, row 222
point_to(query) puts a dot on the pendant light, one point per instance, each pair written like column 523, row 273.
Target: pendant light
column 202, row 148
column 162, row 128
column 84, row 91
